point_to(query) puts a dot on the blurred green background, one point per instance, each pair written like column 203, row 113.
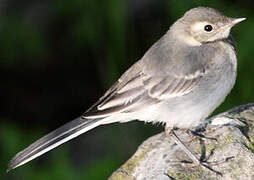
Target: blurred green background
column 57, row 57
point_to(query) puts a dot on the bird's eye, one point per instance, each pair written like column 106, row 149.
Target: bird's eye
column 208, row 28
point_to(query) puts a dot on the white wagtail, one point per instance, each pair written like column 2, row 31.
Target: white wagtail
column 179, row 81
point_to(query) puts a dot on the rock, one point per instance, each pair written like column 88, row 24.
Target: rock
column 160, row 158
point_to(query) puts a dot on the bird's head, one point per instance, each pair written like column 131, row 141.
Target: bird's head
column 202, row 24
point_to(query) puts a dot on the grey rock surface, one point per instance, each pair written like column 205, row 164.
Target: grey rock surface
column 160, row 158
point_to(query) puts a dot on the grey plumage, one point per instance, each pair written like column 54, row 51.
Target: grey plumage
column 181, row 79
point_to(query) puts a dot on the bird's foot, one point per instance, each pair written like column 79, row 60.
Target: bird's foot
column 202, row 163
column 198, row 134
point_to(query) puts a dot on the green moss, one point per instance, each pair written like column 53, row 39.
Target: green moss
column 251, row 138
column 120, row 175
column 210, row 147
column 178, row 175
column 199, row 148
column 127, row 169
column 132, row 163
column 251, row 146
column 226, row 140
column 236, row 174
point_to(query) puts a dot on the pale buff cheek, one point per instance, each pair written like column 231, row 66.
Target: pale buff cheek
column 197, row 31
column 194, row 38
column 198, row 26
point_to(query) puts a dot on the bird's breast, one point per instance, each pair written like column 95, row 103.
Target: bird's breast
column 191, row 109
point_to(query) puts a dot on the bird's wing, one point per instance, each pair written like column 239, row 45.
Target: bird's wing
column 171, row 86
column 142, row 90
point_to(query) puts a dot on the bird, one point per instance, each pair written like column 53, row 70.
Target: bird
column 178, row 82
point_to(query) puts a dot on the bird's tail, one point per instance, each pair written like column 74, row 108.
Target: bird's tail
column 54, row 139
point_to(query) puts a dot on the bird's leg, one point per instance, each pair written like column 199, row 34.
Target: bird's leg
column 196, row 160
column 184, row 147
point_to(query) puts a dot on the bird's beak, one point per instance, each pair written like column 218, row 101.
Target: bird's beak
column 237, row 20
column 224, row 30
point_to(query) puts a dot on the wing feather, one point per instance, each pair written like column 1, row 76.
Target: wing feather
column 170, row 86
column 149, row 89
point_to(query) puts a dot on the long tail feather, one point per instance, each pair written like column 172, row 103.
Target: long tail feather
column 53, row 139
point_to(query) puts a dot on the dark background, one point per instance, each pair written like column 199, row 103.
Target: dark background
column 57, row 57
